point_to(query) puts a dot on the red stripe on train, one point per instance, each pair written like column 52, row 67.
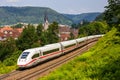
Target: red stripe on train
column 48, row 55
column 40, row 57
column 28, row 63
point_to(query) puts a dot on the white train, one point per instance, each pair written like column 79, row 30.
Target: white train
column 31, row 57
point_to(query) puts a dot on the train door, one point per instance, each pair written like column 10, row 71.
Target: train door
column 77, row 43
column 36, row 57
column 62, row 48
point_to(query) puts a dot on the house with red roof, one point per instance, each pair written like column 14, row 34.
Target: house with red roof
column 65, row 31
column 7, row 32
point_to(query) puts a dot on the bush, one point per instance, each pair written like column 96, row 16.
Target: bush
column 9, row 64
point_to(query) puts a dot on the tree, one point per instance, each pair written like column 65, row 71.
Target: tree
column 28, row 38
column 19, row 25
column 7, row 48
column 112, row 13
column 50, row 35
column 71, row 36
column 39, row 30
column 93, row 28
column 53, row 32
column 74, row 26
column 45, row 38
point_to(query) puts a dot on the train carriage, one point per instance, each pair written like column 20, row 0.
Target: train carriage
column 69, row 45
column 34, row 56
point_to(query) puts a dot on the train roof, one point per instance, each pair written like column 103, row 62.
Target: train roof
column 81, row 39
column 57, row 45
column 31, row 50
column 54, row 44
column 50, row 47
column 65, row 43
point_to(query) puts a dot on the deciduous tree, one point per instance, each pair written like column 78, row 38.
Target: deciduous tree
column 112, row 13
column 28, row 38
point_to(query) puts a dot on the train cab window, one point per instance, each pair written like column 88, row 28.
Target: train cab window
column 24, row 55
column 35, row 56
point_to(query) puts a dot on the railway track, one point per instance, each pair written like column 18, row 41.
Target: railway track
column 9, row 74
column 45, row 68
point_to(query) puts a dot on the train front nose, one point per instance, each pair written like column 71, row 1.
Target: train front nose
column 21, row 63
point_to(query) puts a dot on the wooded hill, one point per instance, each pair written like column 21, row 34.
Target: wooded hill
column 84, row 16
column 13, row 15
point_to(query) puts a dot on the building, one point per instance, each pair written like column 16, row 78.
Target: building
column 1, row 36
column 65, row 31
column 46, row 23
column 7, row 32
column 74, row 32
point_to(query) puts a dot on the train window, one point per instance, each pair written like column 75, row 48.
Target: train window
column 70, row 45
column 35, row 56
column 24, row 55
column 50, row 51
column 81, row 42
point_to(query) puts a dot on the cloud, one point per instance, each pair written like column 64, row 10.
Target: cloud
column 12, row 1
column 77, row 11
column 73, row 11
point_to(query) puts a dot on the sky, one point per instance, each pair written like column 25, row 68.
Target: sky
column 61, row 6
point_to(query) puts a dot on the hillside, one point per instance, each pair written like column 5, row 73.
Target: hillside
column 100, row 17
column 84, row 16
column 12, row 15
column 102, row 62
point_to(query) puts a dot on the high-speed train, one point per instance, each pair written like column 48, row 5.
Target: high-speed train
column 31, row 57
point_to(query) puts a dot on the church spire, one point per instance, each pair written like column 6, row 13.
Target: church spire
column 46, row 23
column 45, row 17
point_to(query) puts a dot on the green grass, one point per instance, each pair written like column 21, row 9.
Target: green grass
column 102, row 62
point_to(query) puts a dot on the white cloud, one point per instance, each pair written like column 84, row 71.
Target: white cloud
column 72, row 11
column 12, row 1
column 76, row 11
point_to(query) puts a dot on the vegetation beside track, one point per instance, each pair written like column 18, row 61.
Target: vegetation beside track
column 9, row 64
column 102, row 62
column 11, row 49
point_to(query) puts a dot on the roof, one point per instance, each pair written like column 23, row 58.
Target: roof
column 6, row 32
column 19, row 29
column 1, row 34
column 64, row 29
column 8, row 28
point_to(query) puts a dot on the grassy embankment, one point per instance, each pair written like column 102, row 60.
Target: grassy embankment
column 102, row 62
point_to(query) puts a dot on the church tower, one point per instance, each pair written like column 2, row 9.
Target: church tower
column 46, row 23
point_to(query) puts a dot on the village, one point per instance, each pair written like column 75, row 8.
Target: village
column 8, row 31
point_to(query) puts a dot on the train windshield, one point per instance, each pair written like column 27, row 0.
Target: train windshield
column 24, row 55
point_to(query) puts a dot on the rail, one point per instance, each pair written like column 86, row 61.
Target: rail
column 47, row 66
